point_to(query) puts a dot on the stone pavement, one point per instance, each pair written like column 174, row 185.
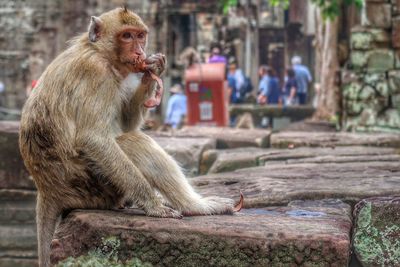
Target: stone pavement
column 299, row 198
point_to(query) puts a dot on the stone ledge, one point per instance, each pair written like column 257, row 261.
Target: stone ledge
column 320, row 139
column 225, row 137
column 304, row 233
column 278, row 184
column 224, row 160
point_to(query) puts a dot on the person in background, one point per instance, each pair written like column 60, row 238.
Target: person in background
column 303, row 78
column 176, row 107
column 236, row 81
column 216, row 56
column 2, row 90
column 290, row 89
column 269, row 92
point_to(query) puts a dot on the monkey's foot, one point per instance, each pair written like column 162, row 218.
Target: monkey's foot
column 163, row 212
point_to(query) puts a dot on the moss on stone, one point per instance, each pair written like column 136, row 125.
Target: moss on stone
column 376, row 239
column 105, row 255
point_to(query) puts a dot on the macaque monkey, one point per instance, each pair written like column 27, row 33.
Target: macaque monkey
column 80, row 132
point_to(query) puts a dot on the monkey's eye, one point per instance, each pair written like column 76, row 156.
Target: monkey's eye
column 140, row 35
column 127, row 35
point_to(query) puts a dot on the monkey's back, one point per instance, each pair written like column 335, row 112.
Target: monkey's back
column 48, row 137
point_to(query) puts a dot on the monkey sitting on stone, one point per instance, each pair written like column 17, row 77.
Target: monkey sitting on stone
column 80, row 132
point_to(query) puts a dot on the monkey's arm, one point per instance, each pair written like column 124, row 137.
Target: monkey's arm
column 110, row 160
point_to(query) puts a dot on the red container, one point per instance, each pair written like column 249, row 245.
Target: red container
column 207, row 94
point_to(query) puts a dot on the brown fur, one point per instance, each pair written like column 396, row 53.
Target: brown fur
column 81, row 140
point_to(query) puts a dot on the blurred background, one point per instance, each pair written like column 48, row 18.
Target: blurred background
column 349, row 48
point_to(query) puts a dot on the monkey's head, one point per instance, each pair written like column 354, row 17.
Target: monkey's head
column 121, row 36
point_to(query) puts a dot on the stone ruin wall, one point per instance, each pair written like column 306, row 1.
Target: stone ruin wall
column 34, row 32
column 371, row 81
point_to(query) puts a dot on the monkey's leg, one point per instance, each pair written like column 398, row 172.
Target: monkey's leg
column 164, row 174
column 46, row 219
column 111, row 161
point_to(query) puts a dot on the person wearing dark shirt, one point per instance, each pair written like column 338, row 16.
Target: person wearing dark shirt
column 290, row 88
column 269, row 92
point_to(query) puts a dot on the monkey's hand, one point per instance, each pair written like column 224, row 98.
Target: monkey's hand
column 155, row 64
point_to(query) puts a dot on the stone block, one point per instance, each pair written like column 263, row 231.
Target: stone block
column 186, row 151
column 13, row 262
column 279, row 183
column 396, row 101
column 311, row 233
column 366, row 93
column 368, row 117
column 237, row 158
column 352, row 90
column 394, row 81
column 353, row 107
column 369, row 38
column 377, row 60
column 344, row 154
column 316, row 139
column 17, row 206
column 13, row 173
column 396, row 7
column 377, row 15
column 396, row 32
column 391, row 118
column 225, row 137
column 373, row 79
column 376, row 233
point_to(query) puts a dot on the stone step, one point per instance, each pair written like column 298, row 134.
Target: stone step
column 186, row 151
column 223, row 160
column 324, row 139
column 16, row 212
column 13, row 173
column 225, row 137
column 18, row 262
column 278, row 184
column 18, row 237
column 301, row 234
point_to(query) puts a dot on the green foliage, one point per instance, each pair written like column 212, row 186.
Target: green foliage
column 330, row 8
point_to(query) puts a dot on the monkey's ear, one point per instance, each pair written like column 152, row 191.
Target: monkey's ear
column 95, row 29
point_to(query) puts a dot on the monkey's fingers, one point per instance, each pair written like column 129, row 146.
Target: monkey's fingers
column 155, row 100
column 240, row 204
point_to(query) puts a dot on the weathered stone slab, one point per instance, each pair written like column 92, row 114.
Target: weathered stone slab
column 318, row 139
column 231, row 159
column 363, row 38
column 224, row 160
column 376, row 236
column 329, row 155
column 303, row 234
column 186, row 151
column 18, row 237
column 376, row 60
column 225, row 137
column 17, row 206
column 377, row 15
column 13, row 262
column 13, row 173
column 278, row 184
column 396, row 32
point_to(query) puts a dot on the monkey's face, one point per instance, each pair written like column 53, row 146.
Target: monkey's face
column 132, row 42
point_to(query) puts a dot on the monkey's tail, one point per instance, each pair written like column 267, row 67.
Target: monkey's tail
column 46, row 220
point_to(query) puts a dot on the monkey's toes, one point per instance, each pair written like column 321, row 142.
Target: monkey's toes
column 164, row 212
